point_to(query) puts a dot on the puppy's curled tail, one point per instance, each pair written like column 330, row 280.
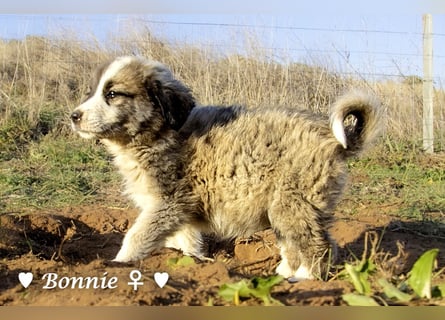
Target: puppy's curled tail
column 355, row 121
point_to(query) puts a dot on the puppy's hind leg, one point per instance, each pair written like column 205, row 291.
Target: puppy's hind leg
column 302, row 238
column 149, row 232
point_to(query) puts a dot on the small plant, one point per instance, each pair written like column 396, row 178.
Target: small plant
column 421, row 274
column 417, row 285
column 256, row 287
column 359, row 275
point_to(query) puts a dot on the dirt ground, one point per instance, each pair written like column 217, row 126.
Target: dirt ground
column 81, row 241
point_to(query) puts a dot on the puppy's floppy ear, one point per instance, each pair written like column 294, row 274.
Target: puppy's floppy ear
column 173, row 98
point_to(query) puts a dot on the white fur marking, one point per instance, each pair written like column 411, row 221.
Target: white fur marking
column 284, row 269
column 188, row 240
column 303, row 273
column 339, row 131
column 90, row 120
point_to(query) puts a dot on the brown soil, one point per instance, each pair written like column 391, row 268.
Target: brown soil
column 81, row 241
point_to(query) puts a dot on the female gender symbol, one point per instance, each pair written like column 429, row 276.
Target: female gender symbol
column 135, row 275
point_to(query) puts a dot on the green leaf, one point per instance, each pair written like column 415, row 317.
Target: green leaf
column 366, row 266
column 180, row 262
column 358, row 300
column 265, row 284
column 420, row 275
column 256, row 287
column 392, row 292
column 358, row 279
column 231, row 291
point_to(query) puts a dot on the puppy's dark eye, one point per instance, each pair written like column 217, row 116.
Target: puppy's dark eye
column 111, row 95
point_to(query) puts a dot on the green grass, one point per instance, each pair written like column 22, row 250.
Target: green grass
column 55, row 171
column 44, row 165
column 22, row 126
column 409, row 182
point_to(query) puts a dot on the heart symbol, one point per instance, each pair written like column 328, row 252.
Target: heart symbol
column 25, row 279
column 161, row 278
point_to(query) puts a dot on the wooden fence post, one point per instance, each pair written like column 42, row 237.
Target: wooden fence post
column 428, row 117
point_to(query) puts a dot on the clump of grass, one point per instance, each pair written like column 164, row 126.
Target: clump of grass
column 55, row 172
column 18, row 130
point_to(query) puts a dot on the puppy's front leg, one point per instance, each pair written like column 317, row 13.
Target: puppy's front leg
column 148, row 233
column 188, row 239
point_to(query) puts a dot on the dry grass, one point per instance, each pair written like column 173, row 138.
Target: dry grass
column 50, row 74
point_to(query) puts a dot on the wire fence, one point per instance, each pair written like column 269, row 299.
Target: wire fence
column 371, row 53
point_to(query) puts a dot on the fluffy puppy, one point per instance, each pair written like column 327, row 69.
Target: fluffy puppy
column 229, row 171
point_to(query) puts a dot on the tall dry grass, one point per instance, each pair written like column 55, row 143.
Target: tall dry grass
column 42, row 79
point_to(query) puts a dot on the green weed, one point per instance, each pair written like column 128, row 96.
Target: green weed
column 256, row 287
column 419, row 278
column 418, row 284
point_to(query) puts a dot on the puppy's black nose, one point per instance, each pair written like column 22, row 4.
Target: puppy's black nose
column 76, row 116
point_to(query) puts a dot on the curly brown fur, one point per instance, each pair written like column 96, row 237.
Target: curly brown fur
column 230, row 171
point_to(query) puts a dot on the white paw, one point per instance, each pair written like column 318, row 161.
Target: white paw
column 188, row 240
column 123, row 256
column 129, row 251
column 302, row 273
column 284, row 269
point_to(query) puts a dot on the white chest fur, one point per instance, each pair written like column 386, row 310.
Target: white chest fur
column 139, row 185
